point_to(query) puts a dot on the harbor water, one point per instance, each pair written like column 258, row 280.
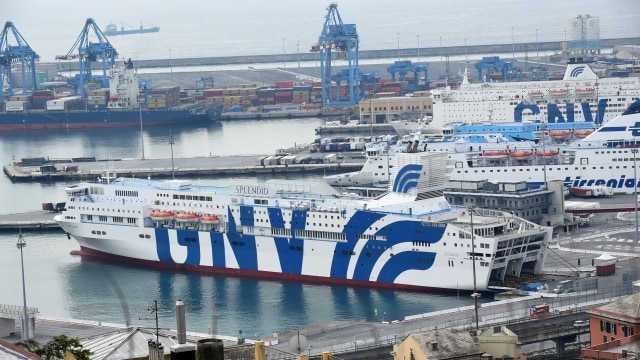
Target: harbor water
column 87, row 289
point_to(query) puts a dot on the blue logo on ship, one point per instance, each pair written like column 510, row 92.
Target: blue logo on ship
column 577, row 71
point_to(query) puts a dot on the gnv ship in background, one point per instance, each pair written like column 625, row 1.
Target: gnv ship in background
column 580, row 96
column 406, row 239
column 607, row 157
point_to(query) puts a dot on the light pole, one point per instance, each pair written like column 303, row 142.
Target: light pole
column 141, row 134
column 171, row 141
column 513, row 45
column 25, row 321
column 537, row 55
column 398, row 34
column 170, row 67
column 441, row 66
column 418, row 36
column 284, row 60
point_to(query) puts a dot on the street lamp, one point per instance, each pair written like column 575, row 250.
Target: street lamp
column 171, row 142
column 513, row 45
column 141, row 134
column 418, row 36
column 537, row 56
column 398, row 34
column 170, row 67
column 284, row 54
column 25, row 320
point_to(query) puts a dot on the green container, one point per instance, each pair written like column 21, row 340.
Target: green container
column 41, row 76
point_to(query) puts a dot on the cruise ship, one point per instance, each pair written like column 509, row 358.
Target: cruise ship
column 580, row 96
column 607, row 157
column 406, row 239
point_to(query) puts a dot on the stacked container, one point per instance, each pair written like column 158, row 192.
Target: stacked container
column 40, row 98
column 163, row 97
column 97, row 99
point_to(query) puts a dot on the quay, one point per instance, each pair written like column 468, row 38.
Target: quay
column 246, row 165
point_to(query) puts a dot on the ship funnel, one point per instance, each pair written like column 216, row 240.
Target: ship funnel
column 180, row 322
column 408, row 149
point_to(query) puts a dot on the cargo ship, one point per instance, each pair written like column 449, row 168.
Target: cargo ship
column 123, row 104
column 406, row 239
column 112, row 29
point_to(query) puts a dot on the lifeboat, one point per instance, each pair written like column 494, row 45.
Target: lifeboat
column 559, row 134
column 536, row 95
column 186, row 217
column 582, row 132
column 547, row 153
column 158, row 215
column 558, row 93
column 585, row 91
column 209, row 219
column 521, row 153
column 494, row 154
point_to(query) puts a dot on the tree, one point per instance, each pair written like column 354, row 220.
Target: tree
column 56, row 347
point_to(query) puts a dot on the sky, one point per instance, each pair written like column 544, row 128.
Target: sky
column 197, row 28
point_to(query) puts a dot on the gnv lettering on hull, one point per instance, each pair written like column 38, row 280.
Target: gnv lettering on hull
column 620, row 183
column 555, row 115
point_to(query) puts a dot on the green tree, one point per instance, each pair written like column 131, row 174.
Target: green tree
column 56, row 347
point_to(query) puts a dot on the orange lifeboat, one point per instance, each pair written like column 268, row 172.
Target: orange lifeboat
column 159, row 215
column 536, row 94
column 585, row 91
column 209, row 219
column 559, row 134
column 521, row 153
column 494, row 154
column 558, row 92
column 582, row 132
column 546, row 153
column 186, row 217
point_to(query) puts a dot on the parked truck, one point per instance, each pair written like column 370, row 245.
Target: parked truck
column 591, row 191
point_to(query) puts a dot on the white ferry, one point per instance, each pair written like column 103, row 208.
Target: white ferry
column 607, row 157
column 407, row 239
column 580, row 96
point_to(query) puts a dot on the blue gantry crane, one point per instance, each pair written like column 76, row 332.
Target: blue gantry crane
column 419, row 70
column 88, row 52
column 341, row 39
column 493, row 63
column 21, row 53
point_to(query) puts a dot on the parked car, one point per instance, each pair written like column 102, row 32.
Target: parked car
column 581, row 323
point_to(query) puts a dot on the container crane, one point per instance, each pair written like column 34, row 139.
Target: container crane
column 11, row 54
column 341, row 38
column 493, row 63
column 88, row 52
column 420, row 80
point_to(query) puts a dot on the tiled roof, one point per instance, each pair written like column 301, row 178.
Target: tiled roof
column 8, row 351
column 449, row 343
column 626, row 309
